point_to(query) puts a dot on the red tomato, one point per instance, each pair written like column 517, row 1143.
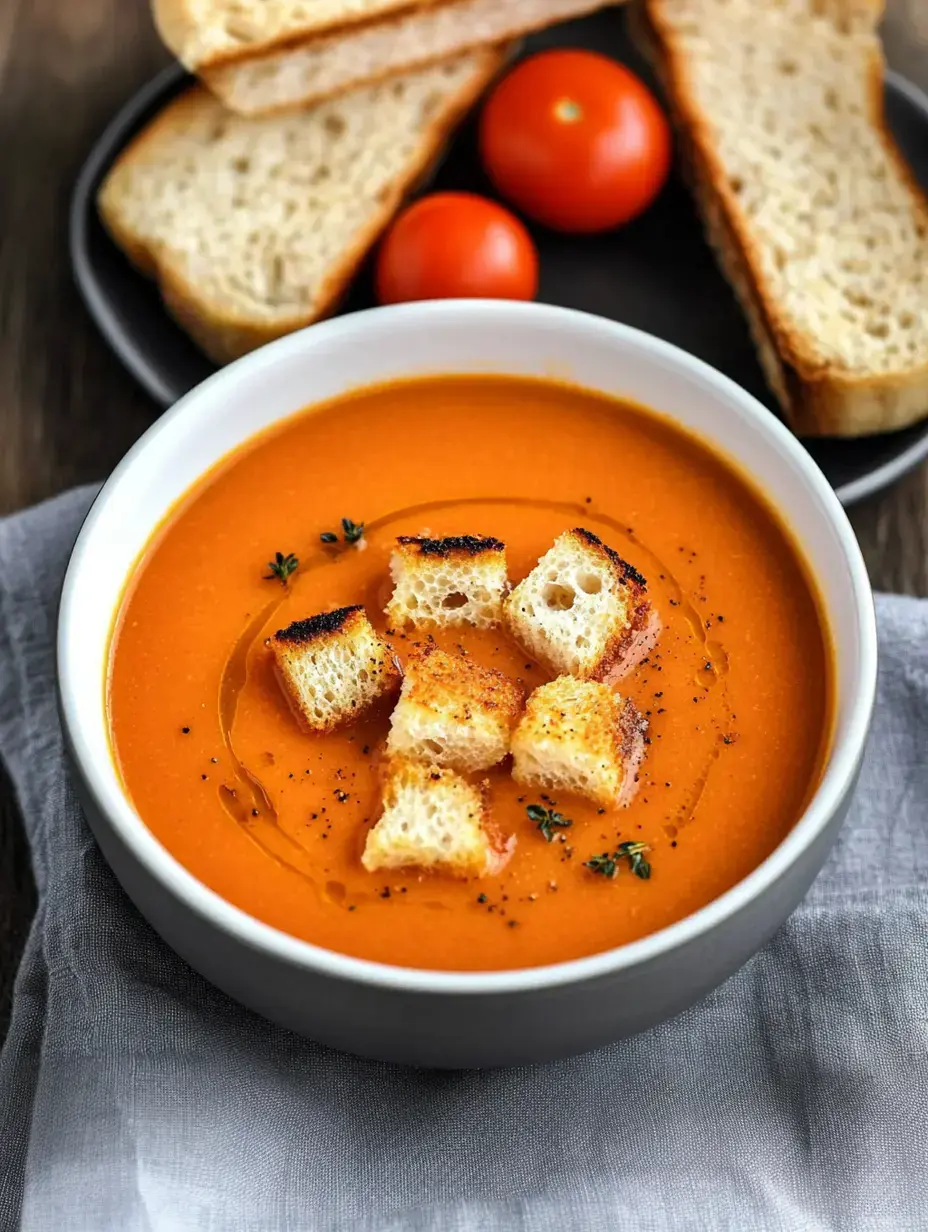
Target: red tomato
column 575, row 141
column 451, row 245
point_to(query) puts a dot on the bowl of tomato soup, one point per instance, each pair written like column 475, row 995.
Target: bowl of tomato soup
column 269, row 503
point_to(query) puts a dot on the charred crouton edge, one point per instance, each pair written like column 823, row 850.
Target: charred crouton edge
column 301, row 632
column 454, row 581
column 453, row 545
column 334, row 667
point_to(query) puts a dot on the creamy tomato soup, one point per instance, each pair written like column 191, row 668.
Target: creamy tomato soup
column 736, row 692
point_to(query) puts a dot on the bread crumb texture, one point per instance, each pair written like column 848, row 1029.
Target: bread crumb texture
column 580, row 736
column 441, row 583
column 334, row 667
column 786, row 96
column 453, row 712
column 322, row 66
column 433, row 819
column 204, row 31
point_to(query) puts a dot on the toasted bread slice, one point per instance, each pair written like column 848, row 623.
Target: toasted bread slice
column 441, row 583
column 580, row 736
column 583, row 610
column 321, row 67
column 205, row 32
column 453, row 712
column 817, row 222
column 254, row 228
column 434, row 820
column 334, row 667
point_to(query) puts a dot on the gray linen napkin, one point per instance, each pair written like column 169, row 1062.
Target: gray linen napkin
column 134, row 1096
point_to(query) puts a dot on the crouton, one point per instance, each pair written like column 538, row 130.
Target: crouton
column 453, row 712
column 434, row 819
column 334, row 667
column 440, row 583
column 580, row 736
column 583, row 611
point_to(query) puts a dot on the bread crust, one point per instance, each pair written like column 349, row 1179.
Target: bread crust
column 223, row 79
column 454, row 571
column 221, row 333
column 626, row 649
column 179, row 31
column 817, row 400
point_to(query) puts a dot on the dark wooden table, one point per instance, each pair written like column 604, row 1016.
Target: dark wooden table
column 67, row 409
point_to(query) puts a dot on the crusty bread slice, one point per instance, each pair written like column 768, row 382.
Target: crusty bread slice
column 583, row 611
column 816, row 220
column 453, row 712
column 433, row 819
column 441, row 583
column 580, row 736
column 254, row 228
column 334, row 667
column 205, row 32
column 322, row 67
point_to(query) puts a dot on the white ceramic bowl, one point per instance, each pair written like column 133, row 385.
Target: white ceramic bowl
column 448, row 1018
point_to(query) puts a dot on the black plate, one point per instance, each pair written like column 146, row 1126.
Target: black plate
column 657, row 274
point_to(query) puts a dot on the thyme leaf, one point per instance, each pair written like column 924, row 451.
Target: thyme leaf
column 547, row 820
column 281, row 567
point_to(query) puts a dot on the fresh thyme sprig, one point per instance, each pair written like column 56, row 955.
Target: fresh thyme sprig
column 607, row 865
column 281, row 567
column 634, row 852
column 547, row 820
column 352, row 532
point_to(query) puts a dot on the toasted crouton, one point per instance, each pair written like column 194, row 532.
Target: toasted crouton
column 433, row 819
column 453, row 712
column 334, row 667
column 580, row 736
column 460, row 580
column 583, row 611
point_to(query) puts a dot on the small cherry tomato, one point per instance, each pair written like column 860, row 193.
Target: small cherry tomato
column 575, row 141
column 450, row 245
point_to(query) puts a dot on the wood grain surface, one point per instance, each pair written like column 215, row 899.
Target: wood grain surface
column 68, row 411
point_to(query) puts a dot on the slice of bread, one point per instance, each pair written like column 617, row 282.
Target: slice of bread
column 434, row 820
column 583, row 611
column 442, row 583
column 254, row 228
column 453, row 712
column 322, row 67
column 205, row 32
column 580, row 736
column 334, row 667
column 816, row 220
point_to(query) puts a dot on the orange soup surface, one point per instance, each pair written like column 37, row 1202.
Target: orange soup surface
column 737, row 691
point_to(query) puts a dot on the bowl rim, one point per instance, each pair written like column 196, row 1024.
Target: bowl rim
column 116, row 812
